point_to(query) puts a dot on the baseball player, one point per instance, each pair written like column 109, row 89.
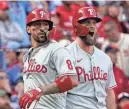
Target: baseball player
column 93, row 66
column 48, row 69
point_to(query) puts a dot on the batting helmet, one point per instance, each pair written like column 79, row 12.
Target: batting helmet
column 3, row 5
column 39, row 14
column 81, row 15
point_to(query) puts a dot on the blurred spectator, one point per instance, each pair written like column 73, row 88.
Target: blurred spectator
column 5, row 100
column 125, row 5
column 57, row 32
column 11, row 58
column 4, row 82
column 118, row 73
column 39, row 4
column 120, row 40
column 96, row 3
column 112, row 14
column 2, row 60
column 123, row 101
column 15, row 66
column 11, row 33
column 18, row 11
column 54, row 3
column 15, row 70
column 101, row 11
column 65, row 12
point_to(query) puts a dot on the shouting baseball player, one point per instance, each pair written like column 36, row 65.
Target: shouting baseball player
column 93, row 66
column 48, row 69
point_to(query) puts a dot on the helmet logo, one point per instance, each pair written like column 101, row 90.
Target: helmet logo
column 81, row 12
column 42, row 13
column 91, row 11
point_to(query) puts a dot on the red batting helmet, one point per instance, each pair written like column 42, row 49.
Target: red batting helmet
column 3, row 5
column 39, row 14
column 83, row 14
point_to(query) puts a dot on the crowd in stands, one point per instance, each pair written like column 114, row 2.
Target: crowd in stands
column 112, row 38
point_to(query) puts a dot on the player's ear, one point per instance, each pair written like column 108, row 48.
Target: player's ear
column 28, row 29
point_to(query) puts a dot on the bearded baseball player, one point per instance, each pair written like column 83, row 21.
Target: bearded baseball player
column 48, row 68
column 93, row 66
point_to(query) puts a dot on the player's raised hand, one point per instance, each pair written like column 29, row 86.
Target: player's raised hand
column 26, row 100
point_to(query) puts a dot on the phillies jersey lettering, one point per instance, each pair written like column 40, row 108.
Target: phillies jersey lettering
column 95, row 75
column 34, row 67
column 42, row 66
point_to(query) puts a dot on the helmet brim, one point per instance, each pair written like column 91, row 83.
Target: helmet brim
column 50, row 23
column 95, row 18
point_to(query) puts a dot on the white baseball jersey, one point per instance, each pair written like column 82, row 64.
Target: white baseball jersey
column 95, row 75
column 42, row 66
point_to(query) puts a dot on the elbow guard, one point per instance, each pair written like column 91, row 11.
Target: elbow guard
column 64, row 83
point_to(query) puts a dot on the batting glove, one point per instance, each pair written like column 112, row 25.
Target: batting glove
column 26, row 100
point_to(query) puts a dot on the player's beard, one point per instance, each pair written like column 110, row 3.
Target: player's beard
column 41, row 37
column 88, row 40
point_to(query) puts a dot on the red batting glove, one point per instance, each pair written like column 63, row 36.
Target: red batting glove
column 29, row 97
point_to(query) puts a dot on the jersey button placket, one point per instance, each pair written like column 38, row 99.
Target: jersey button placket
column 94, row 81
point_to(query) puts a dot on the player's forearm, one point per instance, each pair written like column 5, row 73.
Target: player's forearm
column 110, row 100
column 50, row 89
column 54, row 88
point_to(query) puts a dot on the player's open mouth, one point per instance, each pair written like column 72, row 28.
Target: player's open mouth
column 41, row 36
column 91, row 33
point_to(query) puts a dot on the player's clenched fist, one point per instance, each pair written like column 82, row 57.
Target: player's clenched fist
column 26, row 100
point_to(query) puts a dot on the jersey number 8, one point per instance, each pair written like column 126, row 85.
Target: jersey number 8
column 69, row 64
